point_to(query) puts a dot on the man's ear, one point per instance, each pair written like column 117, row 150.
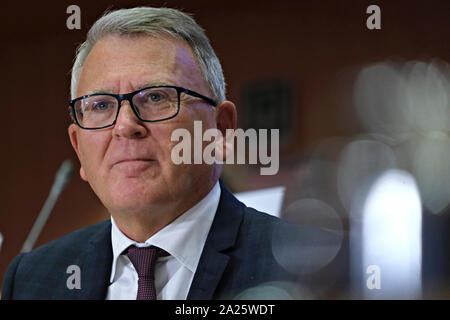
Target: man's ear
column 73, row 136
column 226, row 118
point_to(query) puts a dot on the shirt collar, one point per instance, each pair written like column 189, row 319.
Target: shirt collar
column 183, row 239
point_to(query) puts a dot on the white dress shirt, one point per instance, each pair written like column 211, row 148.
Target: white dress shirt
column 183, row 239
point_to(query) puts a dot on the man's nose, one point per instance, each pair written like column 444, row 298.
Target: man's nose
column 127, row 124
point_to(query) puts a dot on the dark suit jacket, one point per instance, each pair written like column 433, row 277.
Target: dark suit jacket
column 237, row 255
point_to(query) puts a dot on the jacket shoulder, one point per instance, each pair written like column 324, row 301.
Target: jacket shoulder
column 255, row 221
column 68, row 246
column 71, row 242
column 38, row 265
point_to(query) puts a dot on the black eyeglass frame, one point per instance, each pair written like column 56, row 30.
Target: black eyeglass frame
column 129, row 97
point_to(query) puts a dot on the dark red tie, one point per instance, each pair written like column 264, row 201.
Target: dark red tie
column 143, row 260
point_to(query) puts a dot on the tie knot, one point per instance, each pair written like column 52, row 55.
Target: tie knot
column 144, row 259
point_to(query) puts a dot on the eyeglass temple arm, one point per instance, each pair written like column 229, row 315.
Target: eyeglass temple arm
column 198, row 95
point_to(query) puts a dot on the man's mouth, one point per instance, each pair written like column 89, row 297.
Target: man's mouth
column 134, row 167
column 134, row 160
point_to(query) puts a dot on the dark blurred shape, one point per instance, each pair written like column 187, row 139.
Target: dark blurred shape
column 268, row 104
column 320, row 239
column 436, row 255
column 319, row 253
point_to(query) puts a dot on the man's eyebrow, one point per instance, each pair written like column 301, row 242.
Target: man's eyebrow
column 99, row 90
column 142, row 86
column 154, row 83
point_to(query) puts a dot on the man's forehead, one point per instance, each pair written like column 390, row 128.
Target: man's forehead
column 115, row 52
column 140, row 60
column 141, row 49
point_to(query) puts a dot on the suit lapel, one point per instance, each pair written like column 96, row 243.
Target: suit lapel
column 95, row 265
column 222, row 236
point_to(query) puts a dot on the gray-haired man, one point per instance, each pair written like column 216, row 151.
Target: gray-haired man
column 175, row 231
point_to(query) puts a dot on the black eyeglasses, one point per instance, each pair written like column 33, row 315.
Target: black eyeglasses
column 151, row 104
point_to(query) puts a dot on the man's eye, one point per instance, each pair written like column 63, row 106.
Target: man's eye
column 154, row 97
column 101, row 106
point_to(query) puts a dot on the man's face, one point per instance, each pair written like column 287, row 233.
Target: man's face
column 129, row 165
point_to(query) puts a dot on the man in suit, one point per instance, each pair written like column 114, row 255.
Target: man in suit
column 141, row 74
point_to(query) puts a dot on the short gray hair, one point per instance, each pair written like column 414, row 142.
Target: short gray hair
column 155, row 22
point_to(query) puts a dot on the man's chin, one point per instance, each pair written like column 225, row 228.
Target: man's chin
column 135, row 198
column 135, row 206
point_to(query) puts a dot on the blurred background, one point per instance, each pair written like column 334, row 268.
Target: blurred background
column 364, row 119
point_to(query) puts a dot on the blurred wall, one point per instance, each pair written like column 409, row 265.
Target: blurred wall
column 308, row 43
